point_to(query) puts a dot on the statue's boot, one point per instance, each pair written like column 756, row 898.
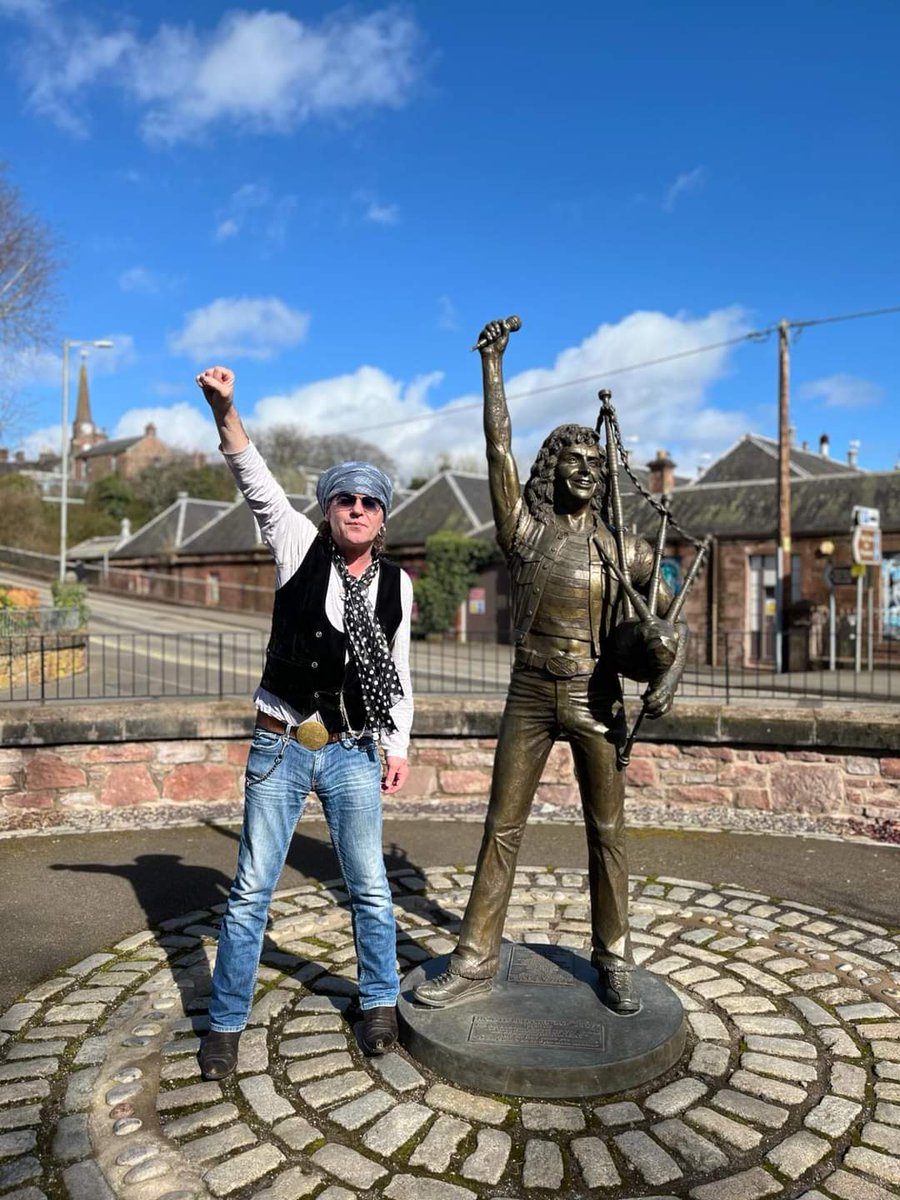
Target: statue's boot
column 449, row 988
column 618, row 984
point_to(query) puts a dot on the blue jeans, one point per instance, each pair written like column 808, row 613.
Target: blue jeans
column 346, row 776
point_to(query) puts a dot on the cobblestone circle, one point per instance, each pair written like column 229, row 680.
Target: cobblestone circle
column 789, row 1086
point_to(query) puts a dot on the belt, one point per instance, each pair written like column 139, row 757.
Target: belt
column 273, row 725
column 560, row 666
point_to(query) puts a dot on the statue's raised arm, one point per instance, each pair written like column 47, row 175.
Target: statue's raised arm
column 502, row 472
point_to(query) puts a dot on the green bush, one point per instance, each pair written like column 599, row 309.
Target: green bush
column 71, row 595
column 452, row 564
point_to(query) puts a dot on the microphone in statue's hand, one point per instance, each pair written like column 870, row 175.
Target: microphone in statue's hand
column 507, row 325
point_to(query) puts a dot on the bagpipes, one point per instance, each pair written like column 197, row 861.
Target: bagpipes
column 644, row 643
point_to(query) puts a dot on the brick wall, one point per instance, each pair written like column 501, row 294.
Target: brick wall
column 91, row 766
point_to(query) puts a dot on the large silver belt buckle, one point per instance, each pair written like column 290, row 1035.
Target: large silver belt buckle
column 311, row 734
column 562, row 666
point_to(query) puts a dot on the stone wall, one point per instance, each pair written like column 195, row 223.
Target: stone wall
column 108, row 766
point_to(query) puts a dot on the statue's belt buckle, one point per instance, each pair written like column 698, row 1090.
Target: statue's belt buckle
column 311, row 734
column 562, row 666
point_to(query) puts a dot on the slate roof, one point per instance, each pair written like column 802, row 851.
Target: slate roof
column 234, row 530
column 819, row 506
column 117, row 446
column 755, row 457
column 168, row 531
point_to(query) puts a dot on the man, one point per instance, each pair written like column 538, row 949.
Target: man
column 336, row 679
column 564, row 684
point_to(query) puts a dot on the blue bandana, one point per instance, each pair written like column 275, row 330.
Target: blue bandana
column 356, row 478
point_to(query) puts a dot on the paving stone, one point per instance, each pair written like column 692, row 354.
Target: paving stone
column 397, row 1072
column 814, row 1013
column 847, row 1080
column 392, row 1131
column 319, row 1067
column 253, row 1052
column 360, row 1112
column 26, row 1193
column 796, row 1154
column 326, row 1022
column 551, row 1116
column 20, row 1141
column 30, row 1050
column 341, row 1087
column 17, row 1118
column 348, row 1165
column 675, row 1098
column 259, row 1092
column 243, row 1169
column 206, row 1118
column 883, row 1167
column 873, row 1010
column 767, row 1089
column 832, row 1116
column 74, row 1012
column 411, row 1187
column 595, row 1161
column 216, row 1145
column 710, row 1058
column 749, row 1185
column 772, row 1116
column 782, row 1047
column 85, row 1181
column 488, row 1160
column 648, row 1158
column 71, row 1140
column 882, row 1137
column 543, row 1167
column 188, row 1097
column 292, row 1184
column 439, row 1145
column 467, row 1105
column 838, row 1042
column 764, row 1026
column 30, row 1089
column 79, row 1089
column 696, row 1151
column 745, row 1004
column 28, row 1068
column 852, row 1187
column 708, row 1027
column 315, row 1043
column 18, row 1016
column 624, row 1113
column 742, row 1137
column 296, row 1132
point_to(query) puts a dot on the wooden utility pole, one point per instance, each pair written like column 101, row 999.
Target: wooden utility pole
column 783, row 550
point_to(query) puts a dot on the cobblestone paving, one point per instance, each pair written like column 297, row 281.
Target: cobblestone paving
column 789, row 1086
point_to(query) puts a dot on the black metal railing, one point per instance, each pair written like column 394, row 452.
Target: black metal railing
column 89, row 666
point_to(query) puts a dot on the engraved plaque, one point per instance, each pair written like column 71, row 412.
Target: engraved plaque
column 513, row 1031
column 549, row 964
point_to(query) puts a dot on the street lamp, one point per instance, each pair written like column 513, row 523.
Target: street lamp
column 98, row 344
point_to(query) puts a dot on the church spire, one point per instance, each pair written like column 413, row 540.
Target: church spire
column 83, row 421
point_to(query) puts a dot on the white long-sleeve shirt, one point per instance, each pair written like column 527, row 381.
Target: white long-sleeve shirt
column 289, row 536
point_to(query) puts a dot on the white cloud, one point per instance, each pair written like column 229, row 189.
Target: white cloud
column 253, row 209
column 143, row 281
column 448, row 316
column 48, row 439
column 664, row 405
column 383, row 214
column 179, row 425
column 43, row 368
column 842, row 391
column 262, row 71
column 687, row 182
column 240, row 327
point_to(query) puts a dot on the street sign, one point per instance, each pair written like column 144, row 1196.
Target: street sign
column 865, row 545
column 838, row 576
column 866, row 518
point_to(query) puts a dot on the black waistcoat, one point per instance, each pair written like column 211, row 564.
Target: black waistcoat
column 306, row 660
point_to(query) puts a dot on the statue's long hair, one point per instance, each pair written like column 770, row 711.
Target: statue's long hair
column 538, row 491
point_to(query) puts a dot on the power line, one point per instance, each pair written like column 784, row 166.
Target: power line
column 755, row 335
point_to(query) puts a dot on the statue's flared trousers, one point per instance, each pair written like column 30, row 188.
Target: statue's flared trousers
column 539, row 711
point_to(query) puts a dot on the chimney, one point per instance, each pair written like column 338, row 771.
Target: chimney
column 20, row 456
column 662, row 473
column 150, row 430
column 805, row 445
column 792, row 435
column 125, row 531
column 823, row 446
column 4, row 454
column 853, row 453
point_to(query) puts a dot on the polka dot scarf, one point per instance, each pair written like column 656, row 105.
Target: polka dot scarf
column 369, row 651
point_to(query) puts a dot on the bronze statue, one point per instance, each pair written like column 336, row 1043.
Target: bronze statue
column 575, row 581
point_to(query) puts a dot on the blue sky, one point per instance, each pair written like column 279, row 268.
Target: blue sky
column 333, row 199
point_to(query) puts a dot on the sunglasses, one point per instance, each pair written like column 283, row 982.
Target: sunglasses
column 348, row 500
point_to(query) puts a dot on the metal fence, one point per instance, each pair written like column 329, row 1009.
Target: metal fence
column 82, row 666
